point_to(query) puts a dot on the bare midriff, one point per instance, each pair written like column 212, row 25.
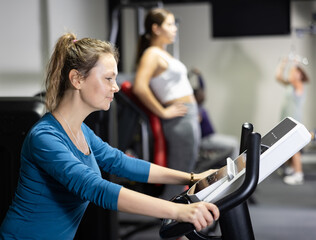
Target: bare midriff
column 184, row 99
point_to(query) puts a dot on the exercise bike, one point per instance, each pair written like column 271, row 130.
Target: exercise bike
column 231, row 186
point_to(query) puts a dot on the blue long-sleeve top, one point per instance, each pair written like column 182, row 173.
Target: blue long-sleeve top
column 57, row 181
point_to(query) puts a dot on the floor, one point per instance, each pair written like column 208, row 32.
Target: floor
column 285, row 212
column 280, row 211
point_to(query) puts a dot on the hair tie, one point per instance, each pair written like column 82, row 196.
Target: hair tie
column 75, row 40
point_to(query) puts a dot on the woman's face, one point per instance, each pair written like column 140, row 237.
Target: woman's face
column 168, row 29
column 100, row 85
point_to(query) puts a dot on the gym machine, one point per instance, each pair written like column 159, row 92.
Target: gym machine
column 231, row 186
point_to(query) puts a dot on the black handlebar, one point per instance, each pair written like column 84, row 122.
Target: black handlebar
column 246, row 129
column 251, row 176
column 250, row 141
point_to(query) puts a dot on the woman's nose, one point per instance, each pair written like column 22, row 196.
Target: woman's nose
column 115, row 87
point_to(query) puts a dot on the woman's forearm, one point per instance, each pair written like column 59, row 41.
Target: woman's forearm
column 279, row 72
column 145, row 95
column 164, row 175
column 159, row 174
column 138, row 203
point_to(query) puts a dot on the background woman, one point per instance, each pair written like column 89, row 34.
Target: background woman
column 161, row 83
column 293, row 79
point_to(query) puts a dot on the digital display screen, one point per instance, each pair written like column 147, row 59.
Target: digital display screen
column 276, row 133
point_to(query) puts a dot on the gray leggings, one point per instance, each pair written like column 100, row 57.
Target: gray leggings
column 183, row 136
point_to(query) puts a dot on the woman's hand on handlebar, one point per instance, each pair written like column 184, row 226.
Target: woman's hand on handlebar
column 200, row 214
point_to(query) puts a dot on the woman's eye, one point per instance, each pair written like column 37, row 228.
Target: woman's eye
column 111, row 80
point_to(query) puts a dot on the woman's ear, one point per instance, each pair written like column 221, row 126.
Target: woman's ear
column 75, row 78
column 155, row 29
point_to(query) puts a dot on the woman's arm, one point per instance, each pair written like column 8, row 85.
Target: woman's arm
column 163, row 175
column 197, row 213
column 280, row 72
column 148, row 67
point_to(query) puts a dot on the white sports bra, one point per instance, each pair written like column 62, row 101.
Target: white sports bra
column 173, row 83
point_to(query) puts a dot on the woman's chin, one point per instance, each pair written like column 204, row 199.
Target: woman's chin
column 106, row 107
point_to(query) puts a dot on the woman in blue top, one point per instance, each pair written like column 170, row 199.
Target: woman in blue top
column 61, row 156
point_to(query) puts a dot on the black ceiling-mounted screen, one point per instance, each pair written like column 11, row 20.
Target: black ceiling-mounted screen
column 237, row 18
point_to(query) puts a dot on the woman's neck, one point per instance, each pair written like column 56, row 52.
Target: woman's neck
column 156, row 42
column 71, row 108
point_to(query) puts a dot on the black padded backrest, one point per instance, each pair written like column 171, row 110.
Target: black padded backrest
column 99, row 123
column 17, row 116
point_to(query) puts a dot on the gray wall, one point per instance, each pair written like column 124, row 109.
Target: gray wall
column 29, row 30
column 239, row 71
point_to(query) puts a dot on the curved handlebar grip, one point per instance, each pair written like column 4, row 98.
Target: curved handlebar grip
column 246, row 129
